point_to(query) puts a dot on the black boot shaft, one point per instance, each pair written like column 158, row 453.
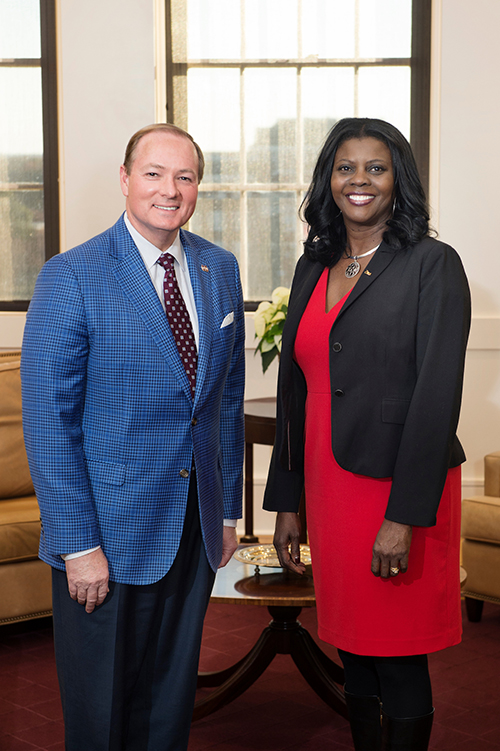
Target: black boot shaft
column 410, row 734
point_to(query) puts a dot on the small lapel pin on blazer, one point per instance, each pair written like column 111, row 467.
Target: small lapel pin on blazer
column 368, row 273
column 203, row 267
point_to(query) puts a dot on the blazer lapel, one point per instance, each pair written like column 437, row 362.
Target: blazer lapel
column 380, row 261
column 134, row 280
column 309, row 278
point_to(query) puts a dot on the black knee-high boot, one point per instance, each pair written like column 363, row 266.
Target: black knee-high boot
column 364, row 718
column 411, row 734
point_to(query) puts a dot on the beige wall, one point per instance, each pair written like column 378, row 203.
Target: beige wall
column 107, row 90
column 106, row 86
column 466, row 115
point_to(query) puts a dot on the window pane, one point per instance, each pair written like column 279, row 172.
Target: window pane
column 272, row 242
column 327, row 96
column 21, row 111
column 18, row 169
column 385, row 93
column 22, row 251
column 214, row 121
column 21, row 211
column 19, row 28
column 271, row 29
column 328, row 29
column 270, row 124
column 384, row 28
column 217, row 217
column 207, row 36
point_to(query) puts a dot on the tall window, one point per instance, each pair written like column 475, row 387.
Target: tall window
column 29, row 206
column 259, row 83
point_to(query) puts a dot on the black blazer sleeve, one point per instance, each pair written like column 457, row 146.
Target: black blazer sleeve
column 428, row 445
column 286, row 473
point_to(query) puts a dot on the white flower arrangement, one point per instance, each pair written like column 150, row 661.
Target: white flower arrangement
column 269, row 320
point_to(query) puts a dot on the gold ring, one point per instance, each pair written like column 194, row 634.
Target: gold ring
column 394, row 571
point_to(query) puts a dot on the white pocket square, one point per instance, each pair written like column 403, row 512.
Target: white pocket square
column 227, row 320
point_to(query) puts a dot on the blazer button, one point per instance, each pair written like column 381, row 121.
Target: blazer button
column 194, row 421
column 336, row 346
column 338, row 392
column 184, row 473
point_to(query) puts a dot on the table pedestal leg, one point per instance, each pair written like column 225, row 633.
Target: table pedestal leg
column 284, row 635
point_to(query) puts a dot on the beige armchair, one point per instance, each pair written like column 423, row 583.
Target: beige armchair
column 481, row 541
column 25, row 581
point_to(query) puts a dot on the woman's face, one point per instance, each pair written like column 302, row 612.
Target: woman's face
column 362, row 181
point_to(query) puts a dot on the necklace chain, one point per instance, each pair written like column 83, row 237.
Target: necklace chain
column 368, row 252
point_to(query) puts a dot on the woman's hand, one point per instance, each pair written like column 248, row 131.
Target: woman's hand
column 391, row 549
column 287, row 532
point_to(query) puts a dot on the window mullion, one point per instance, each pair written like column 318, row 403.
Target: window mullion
column 50, row 129
column 243, row 160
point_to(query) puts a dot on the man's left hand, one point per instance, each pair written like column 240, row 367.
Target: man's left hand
column 88, row 578
column 229, row 545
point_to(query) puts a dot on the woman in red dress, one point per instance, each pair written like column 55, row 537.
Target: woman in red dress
column 368, row 403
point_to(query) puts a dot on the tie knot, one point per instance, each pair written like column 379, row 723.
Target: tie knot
column 167, row 261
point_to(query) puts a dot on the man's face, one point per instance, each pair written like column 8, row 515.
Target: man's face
column 162, row 187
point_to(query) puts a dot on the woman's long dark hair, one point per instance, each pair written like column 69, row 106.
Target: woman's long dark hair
column 327, row 238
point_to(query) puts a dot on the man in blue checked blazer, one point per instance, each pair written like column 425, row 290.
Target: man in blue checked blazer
column 136, row 455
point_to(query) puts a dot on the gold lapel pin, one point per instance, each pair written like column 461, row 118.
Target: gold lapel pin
column 203, row 267
column 368, row 273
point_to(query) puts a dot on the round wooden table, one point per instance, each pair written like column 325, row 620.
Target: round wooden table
column 284, row 594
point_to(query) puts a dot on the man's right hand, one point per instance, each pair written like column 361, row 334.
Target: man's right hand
column 88, row 578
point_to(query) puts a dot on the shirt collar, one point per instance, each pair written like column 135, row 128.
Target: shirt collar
column 150, row 253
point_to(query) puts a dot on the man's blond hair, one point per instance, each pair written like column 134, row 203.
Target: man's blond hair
column 166, row 128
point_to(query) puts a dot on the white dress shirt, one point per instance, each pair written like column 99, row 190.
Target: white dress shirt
column 150, row 255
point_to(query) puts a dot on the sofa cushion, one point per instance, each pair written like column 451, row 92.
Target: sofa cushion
column 15, row 479
column 481, row 518
column 482, row 563
column 492, row 474
column 26, row 591
column 19, row 529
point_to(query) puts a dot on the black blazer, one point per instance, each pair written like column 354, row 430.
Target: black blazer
column 397, row 351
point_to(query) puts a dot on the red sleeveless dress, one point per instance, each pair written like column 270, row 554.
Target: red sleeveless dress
column 412, row 613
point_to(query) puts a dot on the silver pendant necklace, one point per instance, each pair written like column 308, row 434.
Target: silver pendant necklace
column 354, row 267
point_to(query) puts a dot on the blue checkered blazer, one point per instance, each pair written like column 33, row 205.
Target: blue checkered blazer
column 108, row 416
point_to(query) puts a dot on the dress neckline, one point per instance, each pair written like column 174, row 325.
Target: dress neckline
column 338, row 304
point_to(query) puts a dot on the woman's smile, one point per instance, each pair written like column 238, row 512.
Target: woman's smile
column 360, row 199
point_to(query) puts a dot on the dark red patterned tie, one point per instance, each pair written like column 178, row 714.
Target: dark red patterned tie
column 179, row 319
